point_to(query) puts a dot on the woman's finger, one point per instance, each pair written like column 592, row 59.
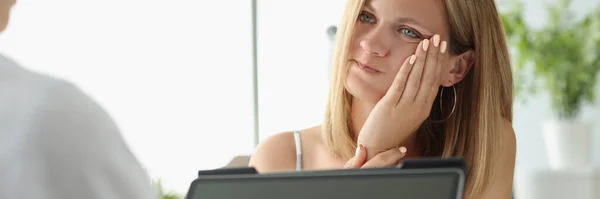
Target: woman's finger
column 429, row 79
column 359, row 158
column 387, row 158
column 414, row 78
column 441, row 67
column 350, row 163
column 395, row 91
column 442, row 60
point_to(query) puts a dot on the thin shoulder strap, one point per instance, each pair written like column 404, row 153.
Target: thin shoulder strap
column 298, row 150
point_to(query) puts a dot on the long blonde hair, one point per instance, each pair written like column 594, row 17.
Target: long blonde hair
column 483, row 97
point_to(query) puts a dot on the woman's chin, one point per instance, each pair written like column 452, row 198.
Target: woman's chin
column 363, row 90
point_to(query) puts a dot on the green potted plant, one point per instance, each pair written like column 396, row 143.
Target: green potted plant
column 163, row 194
column 564, row 57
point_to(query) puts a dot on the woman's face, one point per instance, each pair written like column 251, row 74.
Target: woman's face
column 386, row 33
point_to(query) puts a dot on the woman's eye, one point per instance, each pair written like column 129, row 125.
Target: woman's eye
column 364, row 17
column 410, row 33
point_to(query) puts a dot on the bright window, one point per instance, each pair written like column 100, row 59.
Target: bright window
column 293, row 62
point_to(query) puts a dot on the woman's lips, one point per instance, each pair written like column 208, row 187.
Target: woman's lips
column 367, row 68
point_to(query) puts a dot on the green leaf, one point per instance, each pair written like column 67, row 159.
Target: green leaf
column 564, row 55
column 165, row 195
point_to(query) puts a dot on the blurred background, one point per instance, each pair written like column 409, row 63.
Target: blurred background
column 178, row 76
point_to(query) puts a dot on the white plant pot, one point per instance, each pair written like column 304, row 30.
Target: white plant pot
column 567, row 143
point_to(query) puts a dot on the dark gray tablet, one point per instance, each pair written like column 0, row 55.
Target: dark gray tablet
column 379, row 183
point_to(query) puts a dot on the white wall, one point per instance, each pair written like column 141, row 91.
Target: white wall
column 528, row 118
column 293, row 56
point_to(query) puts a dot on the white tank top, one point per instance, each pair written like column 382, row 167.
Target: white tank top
column 298, row 143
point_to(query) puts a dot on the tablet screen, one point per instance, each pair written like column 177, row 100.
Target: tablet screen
column 418, row 185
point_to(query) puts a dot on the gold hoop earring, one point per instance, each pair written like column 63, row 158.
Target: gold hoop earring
column 441, row 103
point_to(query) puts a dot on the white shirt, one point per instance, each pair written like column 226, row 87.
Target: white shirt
column 57, row 143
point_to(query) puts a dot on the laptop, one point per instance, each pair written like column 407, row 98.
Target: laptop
column 429, row 178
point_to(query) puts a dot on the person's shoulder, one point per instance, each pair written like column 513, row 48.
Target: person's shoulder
column 36, row 88
column 15, row 75
column 62, row 89
column 61, row 123
column 76, row 129
column 64, row 102
column 276, row 153
column 63, row 111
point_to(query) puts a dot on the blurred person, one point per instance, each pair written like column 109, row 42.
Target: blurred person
column 58, row 143
column 412, row 79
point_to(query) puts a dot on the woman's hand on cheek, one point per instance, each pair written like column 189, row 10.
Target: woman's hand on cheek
column 408, row 101
column 388, row 158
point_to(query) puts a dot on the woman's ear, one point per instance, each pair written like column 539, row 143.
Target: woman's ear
column 459, row 66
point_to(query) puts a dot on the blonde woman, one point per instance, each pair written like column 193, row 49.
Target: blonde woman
column 412, row 79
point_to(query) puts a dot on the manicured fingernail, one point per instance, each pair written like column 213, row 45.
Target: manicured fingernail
column 436, row 40
column 402, row 149
column 425, row 44
column 443, row 46
column 412, row 59
column 357, row 149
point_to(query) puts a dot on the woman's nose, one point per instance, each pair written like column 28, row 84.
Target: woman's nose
column 374, row 46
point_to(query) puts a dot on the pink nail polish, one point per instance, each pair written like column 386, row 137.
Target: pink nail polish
column 425, row 44
column 443, row 46
column 357, row 149
column 436, row 40
column 412, row 59
column 402, row 149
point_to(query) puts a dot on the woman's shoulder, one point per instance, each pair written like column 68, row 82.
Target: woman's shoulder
column 277, row 152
